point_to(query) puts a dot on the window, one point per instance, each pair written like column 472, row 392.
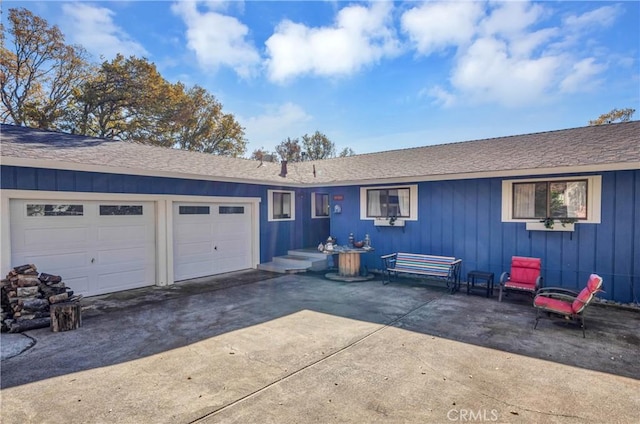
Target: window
column 319, row 205
column 558, row 198
column 54, row 210
column 120, row 210
column 387, row 202
column 194, row 210
column 550, row 199
column 229, row 210
column 281, row 205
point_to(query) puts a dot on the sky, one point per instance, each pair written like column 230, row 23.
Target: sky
column 378, row 75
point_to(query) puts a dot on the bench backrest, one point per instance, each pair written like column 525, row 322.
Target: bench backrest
column 424, row 264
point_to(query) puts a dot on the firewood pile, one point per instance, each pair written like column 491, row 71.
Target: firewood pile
column 26, row 297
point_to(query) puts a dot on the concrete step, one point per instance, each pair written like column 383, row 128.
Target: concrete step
column 297, row 260
column 281, row 268
column 310, row 253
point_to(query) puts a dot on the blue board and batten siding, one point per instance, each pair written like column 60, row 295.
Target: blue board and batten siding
column 275, row 237
column 462, row 218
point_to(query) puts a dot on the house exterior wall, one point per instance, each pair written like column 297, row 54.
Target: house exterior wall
column 462, row 218
column 275, row 237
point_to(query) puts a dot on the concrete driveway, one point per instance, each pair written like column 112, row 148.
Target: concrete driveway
column 256, row 347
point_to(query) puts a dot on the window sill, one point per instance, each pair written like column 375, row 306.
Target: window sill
column 385, row 222
column 557, row 226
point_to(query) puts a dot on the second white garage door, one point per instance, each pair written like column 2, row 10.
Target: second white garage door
column 211, row 238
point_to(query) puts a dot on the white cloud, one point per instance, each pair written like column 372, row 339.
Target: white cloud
column 435, row 26
column 511, row 18
column 217, row 39
column 360, row 36
column 604, row 16
column 441, row 96
column 487, row 73
column 276, row 124
column 93, row 28
column 504, row 53
column 582, row 76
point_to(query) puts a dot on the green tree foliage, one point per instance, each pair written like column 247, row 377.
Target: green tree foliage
column 38, row 77
column 48, row 84
column 290, row 150
column 616, row 115
column 318, row 146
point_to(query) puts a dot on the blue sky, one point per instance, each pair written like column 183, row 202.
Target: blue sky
column 379, row 75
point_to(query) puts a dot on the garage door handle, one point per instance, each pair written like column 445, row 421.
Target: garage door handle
column 215, row 247
column 93, row 260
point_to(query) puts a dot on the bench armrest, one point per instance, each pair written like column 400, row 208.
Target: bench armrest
column 388, row 261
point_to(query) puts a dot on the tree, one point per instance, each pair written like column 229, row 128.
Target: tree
column 318, row 146
column 264, row 155
column 122, row 100
column 128, row 99
column 290, row 150
column 616, row 115
column 38, row 77
column 347, row 151
column 203, row 126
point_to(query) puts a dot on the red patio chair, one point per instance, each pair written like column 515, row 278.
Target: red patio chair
column 524, row 276
column 567, row 304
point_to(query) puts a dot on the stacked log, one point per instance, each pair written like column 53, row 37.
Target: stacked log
column 26, row 298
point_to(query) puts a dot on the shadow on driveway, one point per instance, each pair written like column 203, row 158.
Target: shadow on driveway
column 291, row 323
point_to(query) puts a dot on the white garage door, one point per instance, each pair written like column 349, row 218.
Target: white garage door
column 97, row 247
column 211, row 238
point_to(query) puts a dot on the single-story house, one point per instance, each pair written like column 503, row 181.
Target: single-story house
column 111, row 215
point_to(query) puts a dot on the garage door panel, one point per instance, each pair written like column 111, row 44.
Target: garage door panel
column 195, row 249
column 113, row 281
column 53, row 262
column 193, row 270
column 79, row 285
column 233, row 246
column 57, row 237
column 194, row 231
column 122, row 256
column 136, row 234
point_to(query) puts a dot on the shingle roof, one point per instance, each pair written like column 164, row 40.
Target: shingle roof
column 28, row 143
column 594, row 147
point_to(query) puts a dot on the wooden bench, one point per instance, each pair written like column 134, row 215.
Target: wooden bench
column 440, row 267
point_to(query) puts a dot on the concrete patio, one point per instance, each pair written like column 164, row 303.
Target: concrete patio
column 261, row 347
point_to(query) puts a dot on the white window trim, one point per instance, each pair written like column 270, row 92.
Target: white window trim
column 313, row 206
column 594, row 197
column 413, row 201
column 270, row 205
